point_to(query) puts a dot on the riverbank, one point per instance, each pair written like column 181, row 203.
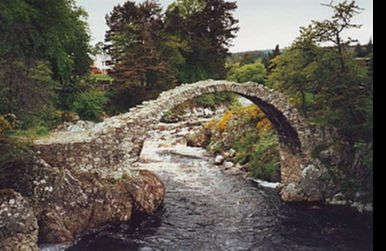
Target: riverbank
column 244, row 136
column 209, row 206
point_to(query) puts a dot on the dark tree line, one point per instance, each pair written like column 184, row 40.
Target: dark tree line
column 44, row 51
column 153, row 50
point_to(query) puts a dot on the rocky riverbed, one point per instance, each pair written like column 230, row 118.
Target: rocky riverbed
column 213, row 206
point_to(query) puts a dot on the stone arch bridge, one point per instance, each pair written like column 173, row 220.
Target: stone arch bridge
column 116, row 142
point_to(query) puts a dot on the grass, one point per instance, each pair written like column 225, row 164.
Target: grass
column 28, row 134
column 102, row 77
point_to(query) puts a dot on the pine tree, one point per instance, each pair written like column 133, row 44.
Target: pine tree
column 359, row 51
column 208, row 29
column 369, row 47
column 134, row 42
column 271, row 55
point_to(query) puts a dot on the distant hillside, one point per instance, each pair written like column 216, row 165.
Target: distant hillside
column 252, row 55
column 256, row 53
column 362, row 51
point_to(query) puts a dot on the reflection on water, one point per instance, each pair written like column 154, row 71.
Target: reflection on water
column 208, row 208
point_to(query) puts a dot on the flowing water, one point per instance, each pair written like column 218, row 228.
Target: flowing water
column 209, row 207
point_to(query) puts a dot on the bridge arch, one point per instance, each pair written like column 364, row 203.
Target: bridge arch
column 116, row 142
column 285, row 118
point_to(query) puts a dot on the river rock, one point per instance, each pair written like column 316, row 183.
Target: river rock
column 339, row 197
column 18, row 224
column 66, row 203
column 228, row 164
column 208, row 112
column 312, row 184
column 197, row 138
column 219, row 160
column 292, row 192
column 89, row 202
column 147, row 191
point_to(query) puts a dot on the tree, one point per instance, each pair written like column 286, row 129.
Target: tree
column 246, row 59
column 187, row 8
column 369, row 47
column 328, row 81
column 43, row 51
column 268, row 58
column 152, row 51
column 64, row 42
column 134, row 42
column 27, row 89
column 98, row 49
column 331, row 31
column 207, row 27
column 331, row 87
column 294, row 73
column 360, row 51
column 249, row 72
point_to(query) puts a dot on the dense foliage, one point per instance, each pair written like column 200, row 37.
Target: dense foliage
column 248, row 132
column 44, row 50
column 90, row 105
column 331, row 83
column 153, row 51
column 254, row 72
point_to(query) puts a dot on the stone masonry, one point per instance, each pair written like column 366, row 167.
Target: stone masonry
column 116, row 142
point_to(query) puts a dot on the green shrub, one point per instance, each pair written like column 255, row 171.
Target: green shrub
column 89, row 105
column 255, row 72
column 208, row 100
column 265, row 158
column 349, row 168
column 51, row 118
column 4, row 126
column 41, row 130
column 250, row 134
column 213, row 100
column 29, row 133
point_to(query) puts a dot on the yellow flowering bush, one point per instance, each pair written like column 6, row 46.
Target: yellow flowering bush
column 243, row 115
column 264, row 125
column 249, row 133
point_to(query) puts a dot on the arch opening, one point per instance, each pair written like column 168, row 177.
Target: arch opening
column 289, row 144
column 287, row 134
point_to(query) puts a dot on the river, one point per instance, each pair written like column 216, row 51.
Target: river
column 209, row 207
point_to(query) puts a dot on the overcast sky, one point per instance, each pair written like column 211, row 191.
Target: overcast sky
column 263, row 23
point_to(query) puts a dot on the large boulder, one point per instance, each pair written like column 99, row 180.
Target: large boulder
column 198, row 138
column 309, row 189
column 292, row 192
column 18, row 224
column 85, row 201
column 147, row 191
column 312, row 183
column 66, row 202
